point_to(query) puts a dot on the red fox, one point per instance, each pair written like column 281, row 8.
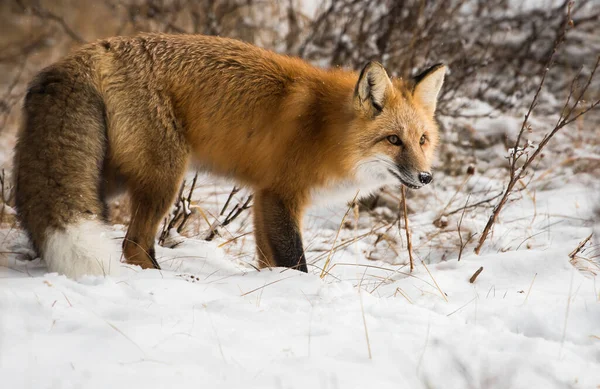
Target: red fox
column 131, row 113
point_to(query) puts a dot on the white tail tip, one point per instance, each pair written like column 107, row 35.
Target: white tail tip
column 84, row 248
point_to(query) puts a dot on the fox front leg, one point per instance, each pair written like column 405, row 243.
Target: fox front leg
column 277, row 232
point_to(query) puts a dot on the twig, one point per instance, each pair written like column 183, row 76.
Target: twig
column 187, row 212
column 231, row 216
column 2, row 196
column 408, row 234
column 231, row 194
column 182, row 212
column 475, row 275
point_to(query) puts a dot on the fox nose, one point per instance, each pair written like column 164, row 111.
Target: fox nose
column 425, row 177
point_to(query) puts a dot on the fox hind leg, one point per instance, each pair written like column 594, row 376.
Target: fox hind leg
column 150, row 154
column 152, row 181
column 148, row 206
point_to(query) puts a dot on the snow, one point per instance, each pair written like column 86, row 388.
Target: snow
column 530, row 319
column 209, row 318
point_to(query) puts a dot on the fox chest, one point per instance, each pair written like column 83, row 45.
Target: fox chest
column 341, row 191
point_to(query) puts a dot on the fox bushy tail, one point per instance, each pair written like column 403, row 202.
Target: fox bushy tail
column 59, row 157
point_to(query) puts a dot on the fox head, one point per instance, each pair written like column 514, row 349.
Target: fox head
column 395, row 126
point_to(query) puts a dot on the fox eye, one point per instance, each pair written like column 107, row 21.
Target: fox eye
column 422, row 140
column 393, row 139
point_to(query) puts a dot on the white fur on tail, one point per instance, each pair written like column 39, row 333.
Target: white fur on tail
column 84, row 248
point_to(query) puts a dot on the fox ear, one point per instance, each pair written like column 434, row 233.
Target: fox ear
column 428, row 85
column 371, row 88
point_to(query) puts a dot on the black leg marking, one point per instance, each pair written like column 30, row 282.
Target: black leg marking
column 152, row 255
column 283, row 235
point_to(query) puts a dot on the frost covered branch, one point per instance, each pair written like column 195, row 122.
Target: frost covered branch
column 567, row 116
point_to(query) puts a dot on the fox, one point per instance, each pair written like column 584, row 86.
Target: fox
column 133, row 114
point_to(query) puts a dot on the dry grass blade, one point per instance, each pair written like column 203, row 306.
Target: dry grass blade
column 564, row 334
column 114, row 327
column 408, row 234
column 459, row 227
column 434, row 281
column 401, row 292
column 324, row 272
column 362, row 310
column 580, row 246
column 265, row 285
column 530, row 286
column 461, row 307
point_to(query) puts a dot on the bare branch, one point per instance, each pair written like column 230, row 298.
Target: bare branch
column 518, row 151
column 407, row 228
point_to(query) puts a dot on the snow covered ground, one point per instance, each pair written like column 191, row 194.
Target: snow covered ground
column 208, row 319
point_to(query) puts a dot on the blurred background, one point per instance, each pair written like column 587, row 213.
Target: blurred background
column 496, row 51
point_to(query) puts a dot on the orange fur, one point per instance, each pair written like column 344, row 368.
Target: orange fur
column 275, row 123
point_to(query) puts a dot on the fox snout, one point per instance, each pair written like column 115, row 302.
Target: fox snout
column 411, row 178
column 425, row 177
column 417, row 180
